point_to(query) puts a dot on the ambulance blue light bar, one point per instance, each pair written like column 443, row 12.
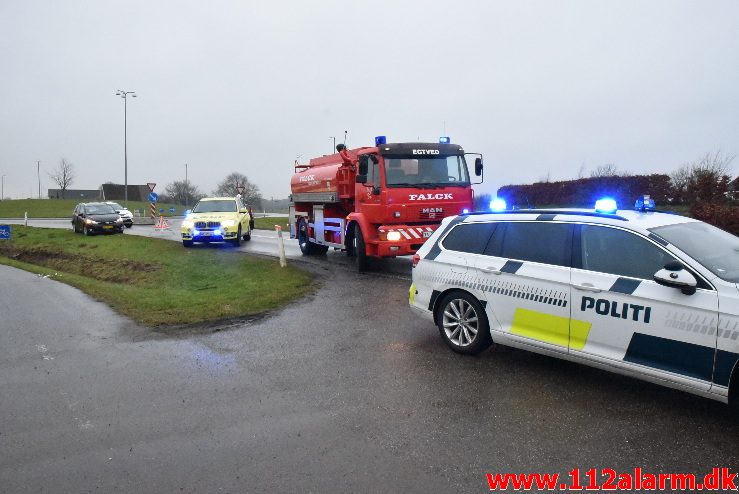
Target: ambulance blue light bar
column 497, row 204
column 606, row 205
column 445, row 140
column 380, row 140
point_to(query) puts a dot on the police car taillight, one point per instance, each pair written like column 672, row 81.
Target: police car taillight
column 416, row 258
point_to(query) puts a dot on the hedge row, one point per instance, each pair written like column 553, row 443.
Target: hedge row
column 721, row 215
column 585, row 191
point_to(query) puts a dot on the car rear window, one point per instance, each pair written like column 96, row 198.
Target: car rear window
column 469, row 237
column 544, row 242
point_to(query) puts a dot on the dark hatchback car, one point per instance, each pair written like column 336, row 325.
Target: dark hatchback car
column 96, row 217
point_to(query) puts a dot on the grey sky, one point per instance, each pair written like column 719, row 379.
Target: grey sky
column 538, row 87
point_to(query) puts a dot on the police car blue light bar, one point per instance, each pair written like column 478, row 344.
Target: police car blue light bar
column 606, row 205
column 465, row 211
column 380, row 140
column 445, row 140
column 645, row 203
column 497, row 204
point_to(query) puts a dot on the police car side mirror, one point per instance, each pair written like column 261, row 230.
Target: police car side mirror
column 675, row 276
column 478, row 166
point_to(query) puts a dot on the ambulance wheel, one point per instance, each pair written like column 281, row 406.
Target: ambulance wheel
column 247, row 237
column 463, row 324
column 187, row 243
column 360, row 252
column 237, row 241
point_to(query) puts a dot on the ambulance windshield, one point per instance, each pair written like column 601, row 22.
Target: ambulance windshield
column 427, row 171
column 714, row 248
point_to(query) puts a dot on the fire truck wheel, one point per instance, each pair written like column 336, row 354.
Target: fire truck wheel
column 359, row 249
column 349, row 243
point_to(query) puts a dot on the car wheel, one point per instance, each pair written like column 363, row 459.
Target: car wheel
column 463, row 323
column 74, row 226
column 187, row 243
column 360, row 250
column 86, row 231
column 129, row 225
column 237, row 241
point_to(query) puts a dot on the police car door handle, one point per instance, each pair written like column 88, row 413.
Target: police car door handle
column 588, row 287
column 490, row 270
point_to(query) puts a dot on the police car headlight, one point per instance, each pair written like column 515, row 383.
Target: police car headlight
column 393, row 236
column 187, row 224
column 228, row 223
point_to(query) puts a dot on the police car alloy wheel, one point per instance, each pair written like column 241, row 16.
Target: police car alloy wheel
column 463, row 324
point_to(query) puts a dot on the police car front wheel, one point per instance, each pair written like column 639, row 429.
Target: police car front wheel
column 463, row 324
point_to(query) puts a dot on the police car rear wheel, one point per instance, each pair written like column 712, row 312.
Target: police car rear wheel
column 463, row 324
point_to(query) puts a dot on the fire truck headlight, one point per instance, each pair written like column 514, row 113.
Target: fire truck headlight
column 393, row 236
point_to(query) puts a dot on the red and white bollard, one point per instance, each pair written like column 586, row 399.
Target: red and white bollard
column 281, row 244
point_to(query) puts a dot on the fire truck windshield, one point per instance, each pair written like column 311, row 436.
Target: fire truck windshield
column 429, row 171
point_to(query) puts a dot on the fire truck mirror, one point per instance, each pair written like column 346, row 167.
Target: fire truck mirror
column 361, row 179
column 376, row 191
column 478, row 166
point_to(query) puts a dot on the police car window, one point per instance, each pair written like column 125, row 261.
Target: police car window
column 544, row 242
column 470, row 237
column 614, row 251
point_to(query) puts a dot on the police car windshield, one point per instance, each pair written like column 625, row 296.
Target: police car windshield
column 432, row 171
column 714, row 248
column 225, row 206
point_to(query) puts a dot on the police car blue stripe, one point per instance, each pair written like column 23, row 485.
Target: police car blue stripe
column 511, row 267
column 625, row 285
column 658, row 239
column 682, row 358
column 725, row 363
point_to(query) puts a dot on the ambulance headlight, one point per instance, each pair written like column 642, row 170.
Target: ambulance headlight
column 605, row 205
column 195, row 233
column 393, row 236
column 217, row 232
column 497, row 204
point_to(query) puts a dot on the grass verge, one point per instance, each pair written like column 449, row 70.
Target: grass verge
column 63, row 208
column 269, row 223
column 156, row 282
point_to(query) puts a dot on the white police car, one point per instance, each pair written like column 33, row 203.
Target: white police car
column 124, row 213
column 647, row 294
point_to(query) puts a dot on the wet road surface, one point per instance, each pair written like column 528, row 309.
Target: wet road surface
column 345, row 390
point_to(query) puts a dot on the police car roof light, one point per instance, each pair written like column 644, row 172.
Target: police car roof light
column 645, row 203
column 497, row 204
column 606, row 205
column 380, row 140
column 465, row 211
column 445, row 140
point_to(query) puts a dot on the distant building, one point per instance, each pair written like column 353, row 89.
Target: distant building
column 116, row 192
column 82, row 195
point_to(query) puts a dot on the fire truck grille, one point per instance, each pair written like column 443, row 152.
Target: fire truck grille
column 210, row 224
column 431, row 213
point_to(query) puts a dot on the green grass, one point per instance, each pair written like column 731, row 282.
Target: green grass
column 63, row 208
column 269, row 223
column 157, row 282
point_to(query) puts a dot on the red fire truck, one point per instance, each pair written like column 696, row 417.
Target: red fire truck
column 380, row 201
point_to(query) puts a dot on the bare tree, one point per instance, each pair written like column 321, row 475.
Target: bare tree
column 703, row 179
column 63, row 176
column 227, row 188
column 581, row 171
column 181, row 192
column 607, row 170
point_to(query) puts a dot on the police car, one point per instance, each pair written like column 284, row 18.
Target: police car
column 643, row 293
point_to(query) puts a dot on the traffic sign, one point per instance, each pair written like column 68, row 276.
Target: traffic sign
column 153, row 197
column 5, row 232
column 240, row 189
column 172, row 210
column 151, row 186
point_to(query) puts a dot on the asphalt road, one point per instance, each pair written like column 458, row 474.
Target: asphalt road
column 344, row 391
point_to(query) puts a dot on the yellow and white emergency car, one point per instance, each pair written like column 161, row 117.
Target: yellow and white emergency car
column 647, row 294
column 217, row 219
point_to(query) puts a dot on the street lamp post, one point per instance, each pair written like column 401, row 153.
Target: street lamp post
column 2, row 189
column 125, row 94
column 38, row 173
column 333, row 149
column 187, row 189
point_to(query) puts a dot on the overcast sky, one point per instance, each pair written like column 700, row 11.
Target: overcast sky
column 541, row 88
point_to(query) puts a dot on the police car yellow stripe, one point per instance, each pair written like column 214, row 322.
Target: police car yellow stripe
column 556, row 330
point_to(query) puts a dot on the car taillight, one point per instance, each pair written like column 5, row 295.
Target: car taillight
column 416, row 258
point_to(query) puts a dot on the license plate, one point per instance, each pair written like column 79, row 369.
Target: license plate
column 427, row 234
column 205, row 234
column 107, row 228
